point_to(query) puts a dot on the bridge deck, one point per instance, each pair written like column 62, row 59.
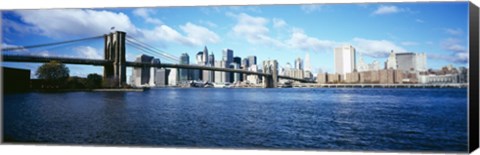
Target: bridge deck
column 96, row 62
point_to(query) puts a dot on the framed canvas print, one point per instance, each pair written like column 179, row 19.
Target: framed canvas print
column 387, row 77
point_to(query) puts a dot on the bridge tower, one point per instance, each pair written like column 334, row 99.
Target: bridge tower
column 270, row 67
column 115, row 73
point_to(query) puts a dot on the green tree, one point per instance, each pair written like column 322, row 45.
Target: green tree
column 76, row 82
column 54, row 73
column 94, row 81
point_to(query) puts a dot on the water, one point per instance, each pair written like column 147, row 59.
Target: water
column 323, row 119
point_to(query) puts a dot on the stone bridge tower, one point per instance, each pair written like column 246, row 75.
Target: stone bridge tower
column 115, row 73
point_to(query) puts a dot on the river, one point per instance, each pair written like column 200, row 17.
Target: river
column 372, row 119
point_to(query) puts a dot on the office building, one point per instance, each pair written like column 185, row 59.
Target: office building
column 391, row 62
column 344, row 60
column 141, row 75
column 308, row 65
column 184, row 73
column 228, row 55
column 298, row 64
column 219, row 75
column 252, row 60
column 412, row 62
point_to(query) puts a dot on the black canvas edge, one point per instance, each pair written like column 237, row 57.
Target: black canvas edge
column 473, row 88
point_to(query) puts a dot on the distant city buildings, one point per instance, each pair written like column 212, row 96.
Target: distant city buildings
column 148, row 76
column 344, row 60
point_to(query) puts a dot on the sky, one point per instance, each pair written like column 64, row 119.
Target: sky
column 280, row 32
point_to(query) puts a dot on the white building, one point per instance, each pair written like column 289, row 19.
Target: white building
column 253, row 79
column 344, row 60
column 391, row 61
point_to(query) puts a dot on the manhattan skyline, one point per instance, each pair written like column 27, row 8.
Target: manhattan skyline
column 267, row 31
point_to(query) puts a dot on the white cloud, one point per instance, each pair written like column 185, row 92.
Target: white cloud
column 199, row 35
column 66, row 22
column 409, row 43
column 452, row 44
column 253, row 29
column 419, row 21
column 458, row 52
column 311, row 8
column 208, row 23
column 376, row 48
column 146, row 14
column 384, row 9
column 304, row 42
column 88, row 52
column 277, row 23
column 456, row 32
column 195, row 35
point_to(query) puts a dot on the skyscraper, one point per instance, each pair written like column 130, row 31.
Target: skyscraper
column 344, row 60
column 205, row 56
column 391, row 61
column 298, row 64
column 228, row 55
column 141, row 75
column 252, row 60
column 184, row 73
column 308, row 65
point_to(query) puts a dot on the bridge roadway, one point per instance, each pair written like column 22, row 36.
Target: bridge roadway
column 97, row 62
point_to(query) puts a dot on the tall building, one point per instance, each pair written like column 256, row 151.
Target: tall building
column 154, row 77
column 252, row 60
column 141, row 75
column 308, row 65
column 220, row 76
column 205, row 56
column 299, row 64
column 173, row 77
column 253, row 79
column 413, row 62
column 211, row 63
column 234, row 77
column 391, row 61
column 228, row 55
column 344, row 60
column 184, row 73
column 245, row 63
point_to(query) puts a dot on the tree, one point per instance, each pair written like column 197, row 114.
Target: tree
column 94, row 81
column 54, row 73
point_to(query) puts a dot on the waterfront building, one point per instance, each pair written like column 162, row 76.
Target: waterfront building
column 252, row 60
column 391, row 62
column 210, row 75
column 322, row 78
column 205, row 56
column 412, row 62
column 235, row 77
column 184, row 73
column 173, row 76
column 298, row 64
column 344, row 60
column 153, row 73
column 220, row 76
column 253, row 79
column 308, row 65
column 161, row 77
column 141, row 75
column 228, row 55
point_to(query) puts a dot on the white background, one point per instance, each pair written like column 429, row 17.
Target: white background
column 57, row 149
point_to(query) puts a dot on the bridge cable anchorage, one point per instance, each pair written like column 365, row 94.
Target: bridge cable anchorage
column 150, row 51
column 49, row 44
column 147, row 45
column 153, row 50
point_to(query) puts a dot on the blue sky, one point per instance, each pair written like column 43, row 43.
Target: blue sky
column 281, row 32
